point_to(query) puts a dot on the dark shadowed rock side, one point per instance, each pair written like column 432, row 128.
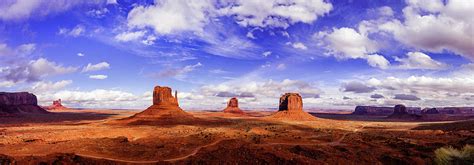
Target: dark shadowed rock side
column 372, row 110
column 165, row 108
column 233, row 106
column 400, row 112
column 19, row 103
column 291, row 108
column 57, row 105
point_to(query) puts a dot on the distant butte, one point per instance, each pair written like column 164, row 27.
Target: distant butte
column 233, row 106
column 57, row 105
column 291, row 108
column 165, row 109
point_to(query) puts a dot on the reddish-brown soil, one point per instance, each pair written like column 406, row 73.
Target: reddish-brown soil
column 95, row 137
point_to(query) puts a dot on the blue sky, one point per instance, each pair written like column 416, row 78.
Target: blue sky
column 337, row 54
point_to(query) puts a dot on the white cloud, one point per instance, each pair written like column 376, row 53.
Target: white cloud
column 130, row 36
column 150, row 40
column 112, row 2
column 267, row 53
column 98, row 77
column 178, row 73
column 77, row 31
column 7, row 84
column 433, row 26
column 169, row 16
column 48, row 86
column 281, row 67
column 14, row 10
column 274, row 13
column 299, row 45
column 385, row 11
column 376, row 60
column 98, row 13
column 419, row 60
column 96, row 67
column 347, row 43
column 80, row 54
column 43, row 67
column 98, row 98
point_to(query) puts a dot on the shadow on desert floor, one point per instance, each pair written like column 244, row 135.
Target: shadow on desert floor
column 467, row 125
column 54, row 117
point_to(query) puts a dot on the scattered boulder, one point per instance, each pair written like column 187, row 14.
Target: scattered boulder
column 372, row 110
column 19, row 103
column 165, row 109
column 57, row 105
column 233, row 106
column 291, row 108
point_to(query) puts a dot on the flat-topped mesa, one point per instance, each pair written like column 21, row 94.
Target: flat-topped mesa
column 400, row 109
column 233, row 106
column 19, row 103
column 400, row 112
column 291, row 108
column 372, row 110
column 162, row 96
column 291, row 102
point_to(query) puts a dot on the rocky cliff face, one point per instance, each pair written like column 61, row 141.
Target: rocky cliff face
column 165, row 109
column 291, row 108
column 18, row 103
column 291, row 102
column 233, row 106
column 162, row 96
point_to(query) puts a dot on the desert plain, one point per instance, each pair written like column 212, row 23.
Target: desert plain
column 96, row 136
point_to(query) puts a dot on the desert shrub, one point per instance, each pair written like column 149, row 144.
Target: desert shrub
column 450, row 155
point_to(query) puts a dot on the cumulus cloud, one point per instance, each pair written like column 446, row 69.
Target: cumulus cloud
column 419, row 60
column 98, row 98
column 130, row 36
column 48, row 86
column 274, row 13
column 15, row 10
column 96, row 67
column 98, row 77
column 265, row 89
column 98, row 13
column 34, row 70
column 385, row 11
column 77, row 31
column 169, row 16
column 267, row 53
column 347, row 43
column 406, row 97
column 357, row 87
column 435, row 26
column 299, row 45
column 80, row 54
column 7, row 84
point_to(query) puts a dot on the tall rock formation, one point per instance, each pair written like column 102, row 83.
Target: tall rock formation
column 291, row 108
column 165, row 108
column 233, row 106
column 19, row 103
column 57, row 105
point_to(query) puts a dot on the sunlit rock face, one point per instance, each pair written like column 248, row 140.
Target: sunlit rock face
column 163, row 96
column 19, row 103
column 291, row 102
column 291, row 108
column 233, row 106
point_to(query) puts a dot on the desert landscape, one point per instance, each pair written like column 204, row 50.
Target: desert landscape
column 333, row 82
column 165, row 134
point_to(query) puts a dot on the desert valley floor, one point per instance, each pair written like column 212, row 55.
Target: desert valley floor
column 99, row 137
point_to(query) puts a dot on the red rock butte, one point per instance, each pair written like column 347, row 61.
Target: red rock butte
column 57, row 105
column 233, row 106
column 291, row 108
column 19, row 103
column 165, row 107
